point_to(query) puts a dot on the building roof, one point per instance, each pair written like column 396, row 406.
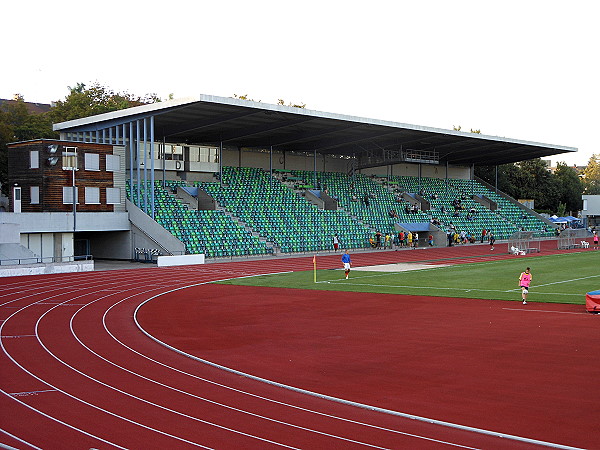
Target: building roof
column 32, row 108
column 209, row 120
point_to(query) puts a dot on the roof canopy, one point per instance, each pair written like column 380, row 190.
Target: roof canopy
column 211, row 120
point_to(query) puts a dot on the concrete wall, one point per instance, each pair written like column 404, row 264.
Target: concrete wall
column 9, row 233
column 427, row 170
column 63, row 222
column 49, row 247
column 146, row 233
column 44, row 269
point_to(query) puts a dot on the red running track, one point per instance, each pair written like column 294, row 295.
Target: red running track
column 78, row 373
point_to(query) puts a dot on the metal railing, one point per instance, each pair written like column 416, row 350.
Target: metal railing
column 44, row 260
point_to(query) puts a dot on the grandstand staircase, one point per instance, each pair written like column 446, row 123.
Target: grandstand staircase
column 244, row 225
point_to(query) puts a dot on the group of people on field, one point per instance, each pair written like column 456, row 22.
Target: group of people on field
column 524, row 279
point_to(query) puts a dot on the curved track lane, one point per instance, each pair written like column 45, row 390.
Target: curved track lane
column 78, row 373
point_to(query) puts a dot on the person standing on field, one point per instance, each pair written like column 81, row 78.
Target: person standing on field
column 492, row 240
column 524, row 282
column 346, row 262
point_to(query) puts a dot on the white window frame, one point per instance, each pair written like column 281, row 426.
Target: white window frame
column 92, row 162
column 113, row 163
column 34, row 195
column 34, row 159
column 92, row 195
column 113, row 196
column 68, row 195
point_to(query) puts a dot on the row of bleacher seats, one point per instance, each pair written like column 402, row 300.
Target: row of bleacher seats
column 280, row 215
column 273, row 208
column 213, row 233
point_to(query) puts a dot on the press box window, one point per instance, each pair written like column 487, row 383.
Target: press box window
column 92, row 161
column 34, row 192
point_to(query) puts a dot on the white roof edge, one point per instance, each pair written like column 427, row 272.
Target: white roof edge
column 124, row 113
column 289, row 109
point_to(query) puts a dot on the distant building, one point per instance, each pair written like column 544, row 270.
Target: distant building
column 591, row 210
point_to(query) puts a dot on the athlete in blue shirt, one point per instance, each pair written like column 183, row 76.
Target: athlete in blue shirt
column 346, row 261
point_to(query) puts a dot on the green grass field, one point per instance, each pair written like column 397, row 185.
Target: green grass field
column 561, row 278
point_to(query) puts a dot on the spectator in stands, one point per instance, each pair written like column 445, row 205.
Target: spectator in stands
column 354, row 198
column 366, row 199
column 407, row 209
column 442, row 209
column 336, row 242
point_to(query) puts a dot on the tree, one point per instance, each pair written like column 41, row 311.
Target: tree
column 535, row 181
column 294, row 105
column 97, row 99
column 569, row 187
column 591, row 176
column 17, row 124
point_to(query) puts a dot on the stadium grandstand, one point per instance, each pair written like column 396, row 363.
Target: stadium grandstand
column 225, row 178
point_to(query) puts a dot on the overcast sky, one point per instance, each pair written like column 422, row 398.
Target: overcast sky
column 520, row 69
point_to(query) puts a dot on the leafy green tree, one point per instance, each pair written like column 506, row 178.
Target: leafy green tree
column 17, row 124
column 591, row 176
column 535, row 181
column 97, row 99
column 569, row 187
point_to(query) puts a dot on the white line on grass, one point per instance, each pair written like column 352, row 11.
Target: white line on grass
column 442, row 288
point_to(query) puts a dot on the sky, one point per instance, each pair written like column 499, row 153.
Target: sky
column 524, row 69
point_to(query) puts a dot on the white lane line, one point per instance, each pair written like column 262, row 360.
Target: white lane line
column 214, row 383
column 144, row 400
column 244, row 411
column 18, row 439
column 340, row 400
column 545, row 311
column 64, row 392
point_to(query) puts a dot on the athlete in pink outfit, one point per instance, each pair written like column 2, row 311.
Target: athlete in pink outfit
column 524, row 282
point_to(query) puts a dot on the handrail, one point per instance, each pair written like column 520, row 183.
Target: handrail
column 44, row 260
